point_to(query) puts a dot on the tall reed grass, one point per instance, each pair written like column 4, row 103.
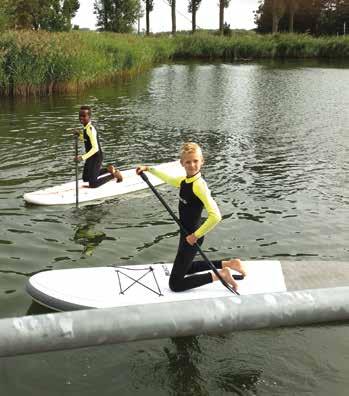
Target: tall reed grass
column 42, row 63
column 254, row 46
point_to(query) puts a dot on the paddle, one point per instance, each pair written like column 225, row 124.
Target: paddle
column 176, row 219
column 76, row 171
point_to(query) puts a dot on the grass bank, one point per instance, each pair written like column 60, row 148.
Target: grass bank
column 43, row 63
column 255, row 46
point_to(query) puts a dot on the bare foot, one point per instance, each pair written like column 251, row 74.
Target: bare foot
column 118, row 176
column 236, row 265
column 116, row 173
column 226, row 275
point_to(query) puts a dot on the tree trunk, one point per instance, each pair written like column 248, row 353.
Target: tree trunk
column 173, row 14
column 193, row 20
column 278, row 9
column 291, row 21
column 221, row 16
column 147, row 12
column 275, row 23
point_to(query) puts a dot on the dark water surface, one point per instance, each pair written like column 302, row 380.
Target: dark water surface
column 276, row 143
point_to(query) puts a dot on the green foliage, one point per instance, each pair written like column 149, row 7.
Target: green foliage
column 42, row 62
column 254, row 46
column 5, row 16
column 117, row 15
column 193, row 5
column 226, row 29
column 317, row 17
column 149, row 4
column 53, row 15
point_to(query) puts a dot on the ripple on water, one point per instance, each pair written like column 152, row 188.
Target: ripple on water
column 275, row 142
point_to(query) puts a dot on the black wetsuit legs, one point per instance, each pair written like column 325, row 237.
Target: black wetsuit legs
column 199, row 266
column 184, row 265
column 92, row 169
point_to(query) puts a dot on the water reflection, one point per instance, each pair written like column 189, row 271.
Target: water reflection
column 243, row 382
column 188, row 376
column 89, row 238
column 37, row 309
column 275, row 139
column 87, row 233
column 185, row 377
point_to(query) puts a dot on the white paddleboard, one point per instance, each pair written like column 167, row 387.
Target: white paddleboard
column 64, row 194
column 105, row 287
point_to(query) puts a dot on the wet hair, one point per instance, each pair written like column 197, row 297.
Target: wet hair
column 86, row 108
column 190, row 147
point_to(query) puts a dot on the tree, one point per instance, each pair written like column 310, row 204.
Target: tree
column 25, row 14
column 343, row 16
column 278, row 9
column 292, row 7
column 335, row 13
column 42, row 14
column 269, row 14
column 149, row 7
column 172, row 3
column 192, row 8
column 56, row 15
column 222, row 4
column 117, row 15
column 69, row 10
column 5, row 14
column 261, row 18
column 304, row 16
column 322, row 16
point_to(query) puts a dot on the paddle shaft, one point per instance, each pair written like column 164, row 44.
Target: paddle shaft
column 76, row 172
column 176, row 219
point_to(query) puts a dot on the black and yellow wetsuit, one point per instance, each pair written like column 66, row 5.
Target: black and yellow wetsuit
column 194, row 195
column 93, row 158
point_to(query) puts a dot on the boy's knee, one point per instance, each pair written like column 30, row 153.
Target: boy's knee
column 175, row 285
column 92, row 184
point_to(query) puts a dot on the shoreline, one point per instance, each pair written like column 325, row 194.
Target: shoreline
column 43, row 63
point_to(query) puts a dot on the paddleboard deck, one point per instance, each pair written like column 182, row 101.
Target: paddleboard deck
column 65, row 194
column 105, row 287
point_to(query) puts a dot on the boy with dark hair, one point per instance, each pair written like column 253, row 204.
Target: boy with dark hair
column 93, row 156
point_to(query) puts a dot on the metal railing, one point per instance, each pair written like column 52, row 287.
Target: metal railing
column 77, row 329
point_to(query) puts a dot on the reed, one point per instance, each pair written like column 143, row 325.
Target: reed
column 42, row 63
column 254, row 46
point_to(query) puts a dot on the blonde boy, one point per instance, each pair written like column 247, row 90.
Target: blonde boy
column 194, row 195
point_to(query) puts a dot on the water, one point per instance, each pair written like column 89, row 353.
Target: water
column 276, row 144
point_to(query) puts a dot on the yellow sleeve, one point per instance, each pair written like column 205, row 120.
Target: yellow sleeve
column 169, row 179
column 201, row 190
column 92, row 134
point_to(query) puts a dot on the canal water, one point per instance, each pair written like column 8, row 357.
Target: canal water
column 276, row 141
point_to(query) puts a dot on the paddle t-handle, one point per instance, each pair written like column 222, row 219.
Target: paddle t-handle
column 176, row 219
